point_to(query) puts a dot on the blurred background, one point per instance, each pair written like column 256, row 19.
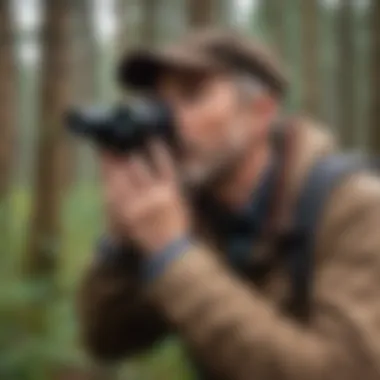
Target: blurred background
column 54, row 53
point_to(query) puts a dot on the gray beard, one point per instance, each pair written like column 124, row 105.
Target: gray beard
column 220, row 174
column 216, row 177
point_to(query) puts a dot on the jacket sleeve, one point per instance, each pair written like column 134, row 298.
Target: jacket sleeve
column 238, row 333
column 116, row 317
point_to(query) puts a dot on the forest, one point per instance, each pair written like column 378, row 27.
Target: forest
column 56, row 53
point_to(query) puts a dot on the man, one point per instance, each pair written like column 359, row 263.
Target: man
column 176, row 272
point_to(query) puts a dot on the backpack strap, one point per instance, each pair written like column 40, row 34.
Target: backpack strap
column 321, row 180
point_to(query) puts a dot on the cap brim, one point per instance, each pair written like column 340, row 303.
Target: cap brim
column 140, row 69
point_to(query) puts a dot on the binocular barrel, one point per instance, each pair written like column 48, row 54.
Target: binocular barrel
column 123, row 127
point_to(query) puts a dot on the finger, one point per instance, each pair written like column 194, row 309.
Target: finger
column 124, row 179
column 108, row 163
column 162, row 160
column 117, row 182
column 139, row 171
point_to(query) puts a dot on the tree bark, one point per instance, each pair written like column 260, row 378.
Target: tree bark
column 79, row 163
column 122, row 24
column 274, row 14
column 148, row 25
column 122, row 27
column 346, row 74
column 375, row 78
column 201, row 13
column 310, row 56
column 224, row 12
column 84, row 44
column 44, row 239
column 7, row 98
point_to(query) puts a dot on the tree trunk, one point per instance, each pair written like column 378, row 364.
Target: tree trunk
column 84, row 85
column 124, row 24
column 44, row 240
column 310, row 56
column 375, row 79
column 225, row 12
column 346, row 74
column 80, row 163
column 274, row 15
column 201, row 13
column 7, row 98
column 148, row 25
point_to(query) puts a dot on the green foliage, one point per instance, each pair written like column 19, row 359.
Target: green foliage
column 32, row 335
column 38, row 330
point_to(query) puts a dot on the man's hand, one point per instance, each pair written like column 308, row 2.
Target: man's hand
column 143, row 201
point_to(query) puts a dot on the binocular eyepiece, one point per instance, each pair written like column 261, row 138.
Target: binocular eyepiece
column 124, row 127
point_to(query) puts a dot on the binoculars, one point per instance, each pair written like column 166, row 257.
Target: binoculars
column 125, row 126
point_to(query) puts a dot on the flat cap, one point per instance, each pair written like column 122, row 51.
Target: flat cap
column 204, row 51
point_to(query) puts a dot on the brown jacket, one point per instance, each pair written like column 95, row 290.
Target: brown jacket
column 238, row 329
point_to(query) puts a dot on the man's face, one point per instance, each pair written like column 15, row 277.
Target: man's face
column 216, row 124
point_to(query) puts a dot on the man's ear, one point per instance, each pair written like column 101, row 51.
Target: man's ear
column 266, row 110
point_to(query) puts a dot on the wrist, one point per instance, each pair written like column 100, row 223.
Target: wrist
column 160, row 240
column 155, row 265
